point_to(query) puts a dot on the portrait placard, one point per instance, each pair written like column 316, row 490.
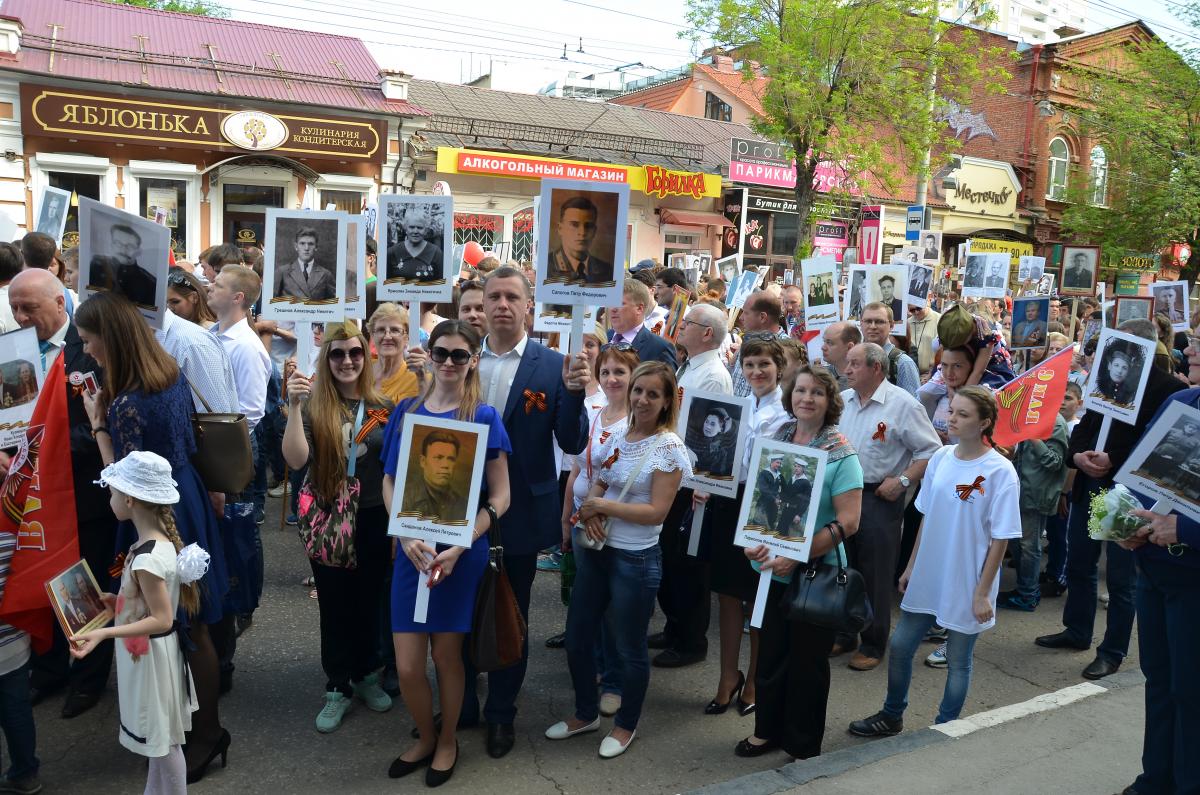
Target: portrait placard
column 909, row 255
column 779, row 508
column 856, row 293
column 1166, row 462
column 1045, row 285
column 680, row 298
column 1030, row 319
column 304, row 265
column 987, row 275
column 1079, row 270
column 1171, row 300
column 715, row 428
column 887, row 285
column 21, row 380
column 355, row 302
column 124, row 253
column 820, row 291
column 557, row 317
column 52, row 213
column 581, row 242
column 75, row 597
column 729, row 268
column 920, row 282
column 931, row 247
column 439, row 473
column 741, row 288
column 1030, row 269
column 1133, row 307
column 1118, row 379
column 416, row 246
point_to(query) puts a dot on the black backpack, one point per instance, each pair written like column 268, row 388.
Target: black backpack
column 893, row 357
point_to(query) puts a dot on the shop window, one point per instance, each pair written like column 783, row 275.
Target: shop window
column 254, row 195
column 716, row 108
column 1099, row 176
column 344, row 201
column 78, row 185
column 486, row 230
column 523, row 235
column 1060, row 159
column 165, row 201
column 676, row 243
column 785, row 233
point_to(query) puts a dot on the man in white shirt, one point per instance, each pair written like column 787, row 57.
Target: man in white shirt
column 701, row 334
column 894, row 439
column 877, row 321
column 203, row 361
column 233, row 293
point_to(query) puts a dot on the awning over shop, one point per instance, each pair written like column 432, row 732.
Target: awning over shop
column 694, row 218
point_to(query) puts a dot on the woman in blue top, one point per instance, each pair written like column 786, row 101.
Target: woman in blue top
column 146, row 404
column 793, row 657
column 453, row 394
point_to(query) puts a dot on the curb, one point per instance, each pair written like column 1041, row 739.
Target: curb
column 803, row 771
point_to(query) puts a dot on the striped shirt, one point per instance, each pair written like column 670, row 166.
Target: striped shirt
column 14, row 643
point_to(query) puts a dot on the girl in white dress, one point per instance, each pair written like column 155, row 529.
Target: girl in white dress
column 154, row 684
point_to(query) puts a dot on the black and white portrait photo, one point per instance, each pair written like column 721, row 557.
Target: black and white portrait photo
column 1079, row 270
column 856, row 292
column 973, row 275
column 1166, row 462
column 1030, row 268
column 909, row 255
column 887, row 285
column 715, row 434
column 931, row 247
column 1045, row 285
column 52, row 213
column 1118, row 377
column 920, row 279
column 1171, row 301
column 582, row 241
column 123, row 253
column 1133, row 307
column 417, row 248
column 304, row 264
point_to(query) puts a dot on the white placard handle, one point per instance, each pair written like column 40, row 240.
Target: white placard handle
column 1162, row 508
column 1102, row 438
column 694, row 535
column 760, row 597
column 414, row 324
column 578, row 313
column 304, row 346
column 421, row 606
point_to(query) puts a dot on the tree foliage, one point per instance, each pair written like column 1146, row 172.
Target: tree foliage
column 1145, row 112
column 199, row 7
column 849, row 82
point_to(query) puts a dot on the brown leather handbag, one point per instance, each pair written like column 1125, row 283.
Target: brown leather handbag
column 497, row 628
column 223, row 456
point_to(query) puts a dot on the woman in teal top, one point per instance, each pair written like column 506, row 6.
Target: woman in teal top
column 793, row 657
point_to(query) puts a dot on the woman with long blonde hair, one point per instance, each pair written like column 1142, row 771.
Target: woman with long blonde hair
column 343, row 420
column 453, row 393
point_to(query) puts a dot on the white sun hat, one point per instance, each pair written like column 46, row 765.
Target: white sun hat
column 142, row 475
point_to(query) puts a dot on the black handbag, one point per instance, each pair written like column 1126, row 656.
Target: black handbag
column 223, row 458
column 497, row 639
column 828, row 596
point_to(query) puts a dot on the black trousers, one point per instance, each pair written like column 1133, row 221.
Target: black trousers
column 350, row 601
column 683, row 594
column 873, row 551
column 503, row 686
column 97, row 545
column 792, row 684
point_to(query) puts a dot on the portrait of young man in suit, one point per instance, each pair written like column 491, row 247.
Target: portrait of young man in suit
column 1080, row 273
column 628, row 325
column 302, row 276
column 996, row 277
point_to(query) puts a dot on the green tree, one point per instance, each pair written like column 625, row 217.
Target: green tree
column 850, row 83
column 1145, row 112
column 200, row 7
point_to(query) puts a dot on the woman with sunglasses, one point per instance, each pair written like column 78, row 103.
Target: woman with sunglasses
column 325, row 409
column 732, row 579
column 453, row 393
column 188, row 299
column 388, row 328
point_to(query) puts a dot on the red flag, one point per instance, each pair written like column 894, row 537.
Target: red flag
column 1029, row 403
column 37, row 503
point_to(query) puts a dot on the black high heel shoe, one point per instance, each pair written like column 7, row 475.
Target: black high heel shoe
column 717, row 708
column 435, row 777
column 221, row 749
column 402, row 767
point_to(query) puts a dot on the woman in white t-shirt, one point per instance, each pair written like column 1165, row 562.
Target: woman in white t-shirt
column 641, row 467
column 971, row 501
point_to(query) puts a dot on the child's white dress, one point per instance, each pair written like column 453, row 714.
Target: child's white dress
column 154, row 684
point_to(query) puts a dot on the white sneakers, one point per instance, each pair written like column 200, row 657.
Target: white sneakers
column 610, row 747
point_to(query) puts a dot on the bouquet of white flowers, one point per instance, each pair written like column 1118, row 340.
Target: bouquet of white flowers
column 1111, row 516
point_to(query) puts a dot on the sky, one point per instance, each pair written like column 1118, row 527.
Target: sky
column 522, row 43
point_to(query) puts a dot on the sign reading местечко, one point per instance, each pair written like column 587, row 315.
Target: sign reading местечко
column 65, row 113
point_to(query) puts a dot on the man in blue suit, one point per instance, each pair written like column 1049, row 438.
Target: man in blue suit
column 540, row 394
column 628, row 326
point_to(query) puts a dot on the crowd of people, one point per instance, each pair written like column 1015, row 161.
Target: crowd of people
column 583, row 475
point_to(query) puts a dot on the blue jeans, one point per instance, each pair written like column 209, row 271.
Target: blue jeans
column 1056, row 548
column 1028, row 555
column 623, row 584
column 16, row 721
column 1083, row 577
column 1168, row 613
column 607, row 661
column 906, row 639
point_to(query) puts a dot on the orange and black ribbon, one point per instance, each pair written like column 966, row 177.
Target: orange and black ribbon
column 534, row 400
column 880, row 432
column 604, row 436
column 375, row 418
column 117, row 566
column 964, row 490
column 612, row 459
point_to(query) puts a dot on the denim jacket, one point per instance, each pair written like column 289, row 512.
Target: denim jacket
column 1042, row 470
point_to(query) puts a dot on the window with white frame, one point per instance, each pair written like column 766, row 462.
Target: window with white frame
column 523, row 232
column 1060, row 160
column 1098, row 174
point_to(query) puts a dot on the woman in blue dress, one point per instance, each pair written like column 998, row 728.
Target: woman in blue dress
column 146, row 404
column 453, row 394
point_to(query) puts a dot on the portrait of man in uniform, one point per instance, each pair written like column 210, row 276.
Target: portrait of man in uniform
column 416, row 255
column 1079, row 271
column 433, row 490
column 300, row 273
column 1030, row 322
column 571, row 256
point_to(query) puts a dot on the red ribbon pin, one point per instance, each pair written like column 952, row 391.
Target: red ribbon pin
column 880, row 432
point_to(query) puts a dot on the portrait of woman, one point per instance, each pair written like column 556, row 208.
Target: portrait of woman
column 712, row 437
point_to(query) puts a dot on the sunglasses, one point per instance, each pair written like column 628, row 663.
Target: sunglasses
column 616, row 346
column 457, row 356
column 180, row 280
column 338, row 355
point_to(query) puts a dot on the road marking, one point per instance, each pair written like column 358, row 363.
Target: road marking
column 1042, row 703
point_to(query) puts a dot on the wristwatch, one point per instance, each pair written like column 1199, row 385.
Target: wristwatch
column 904, row 481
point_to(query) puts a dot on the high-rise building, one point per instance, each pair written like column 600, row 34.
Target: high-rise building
column 1032, row 21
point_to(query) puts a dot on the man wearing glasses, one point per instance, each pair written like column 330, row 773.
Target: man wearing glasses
column 877, row 322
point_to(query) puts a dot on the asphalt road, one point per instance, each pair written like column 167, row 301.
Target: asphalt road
column 278, row 692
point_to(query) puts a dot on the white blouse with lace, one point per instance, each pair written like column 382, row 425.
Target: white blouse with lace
column 666, row 452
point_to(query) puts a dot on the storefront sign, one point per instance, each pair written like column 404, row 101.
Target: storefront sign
column 831, row 238
column 1136, row 262
column 651, row 180
column 773, row 204
column 988, row 187
column 1016, row 250
column 765, row 163
column 1129, row 283
column 93, row 116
